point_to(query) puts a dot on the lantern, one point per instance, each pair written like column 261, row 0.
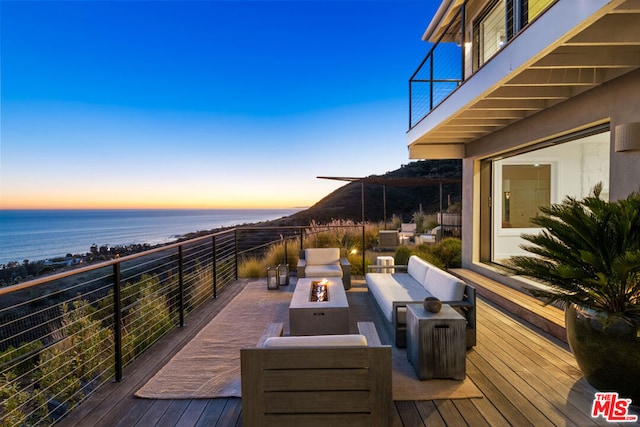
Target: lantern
column 272, row 278
column 283, row 274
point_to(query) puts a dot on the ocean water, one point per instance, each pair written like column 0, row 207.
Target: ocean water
column 43, row 234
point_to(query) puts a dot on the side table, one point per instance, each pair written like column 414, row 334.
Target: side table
column 436, row 342
column 386, row 261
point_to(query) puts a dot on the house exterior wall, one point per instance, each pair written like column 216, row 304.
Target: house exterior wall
column 615, row 102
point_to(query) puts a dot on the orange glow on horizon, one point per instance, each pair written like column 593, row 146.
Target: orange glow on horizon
column 148, row 203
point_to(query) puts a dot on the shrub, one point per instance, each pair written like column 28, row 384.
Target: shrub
column 251, row 268
column 200, row 286
column 396, row 221
column 449, row 252
column 445, row 254
column 13, row 401
column 402, row 255
column 419, row 218
column 82, row 357
column 149, row 320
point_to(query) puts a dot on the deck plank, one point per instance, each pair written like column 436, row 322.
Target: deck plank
column 450, row 414
column 192, row 414
column 409, row 413
column 151, row 417
column 172, row 414
column 472, row 415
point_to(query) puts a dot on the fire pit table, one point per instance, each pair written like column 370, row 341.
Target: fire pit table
column 319, row 307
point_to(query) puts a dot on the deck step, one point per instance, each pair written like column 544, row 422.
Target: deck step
column 546, row 317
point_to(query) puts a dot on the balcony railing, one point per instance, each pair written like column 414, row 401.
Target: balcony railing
column 64, row 336
column 454, row 57
column 440, row 72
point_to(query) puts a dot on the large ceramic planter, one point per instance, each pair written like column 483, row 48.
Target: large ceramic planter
column 608, row 354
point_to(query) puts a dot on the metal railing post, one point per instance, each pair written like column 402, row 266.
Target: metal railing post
column 431, row 80
column 286, row 261
column 215, row 268
column 301, row 239
column 463, row 37
column 411, row 103
column 117, row 321
column 235, row 236
column 181, row 284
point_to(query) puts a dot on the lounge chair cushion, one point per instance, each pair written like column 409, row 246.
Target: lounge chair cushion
column 329, row 270
column 350, row 340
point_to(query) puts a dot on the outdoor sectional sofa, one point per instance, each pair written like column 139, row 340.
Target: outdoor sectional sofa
column 393, row 291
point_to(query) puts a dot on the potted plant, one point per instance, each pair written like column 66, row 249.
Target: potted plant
column 588, row 259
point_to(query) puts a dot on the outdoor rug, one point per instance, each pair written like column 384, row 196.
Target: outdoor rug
column 209, row 365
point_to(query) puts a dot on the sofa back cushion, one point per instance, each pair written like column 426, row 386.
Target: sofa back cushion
column 417, row 268
column 444, row 286
column 322, row 256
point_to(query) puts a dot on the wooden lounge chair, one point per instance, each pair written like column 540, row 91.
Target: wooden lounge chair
column 329, row 382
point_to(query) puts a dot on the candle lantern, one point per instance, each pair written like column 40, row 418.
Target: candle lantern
column 283, row 274
column 272, row 278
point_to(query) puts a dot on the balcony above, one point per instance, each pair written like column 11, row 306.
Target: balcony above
column 569, row 49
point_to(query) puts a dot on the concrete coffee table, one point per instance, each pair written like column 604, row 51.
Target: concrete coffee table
column 329, row 317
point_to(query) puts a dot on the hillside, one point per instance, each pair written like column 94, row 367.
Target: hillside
column 345, row 202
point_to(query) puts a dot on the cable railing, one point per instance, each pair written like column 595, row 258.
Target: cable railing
column 64, row 336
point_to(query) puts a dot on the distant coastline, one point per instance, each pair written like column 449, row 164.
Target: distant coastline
column 39, row 235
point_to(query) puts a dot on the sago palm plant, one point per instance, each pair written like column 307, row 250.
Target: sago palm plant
column 588, row 254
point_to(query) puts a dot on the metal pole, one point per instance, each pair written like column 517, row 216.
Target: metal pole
column 431, row 81
column 410, row 104
column 462, row 39
column 384, row 205
column 117, row 321
column 363, row 241
column 235, row 236
column 215, row 268
column 285, row 252
column 181, row 285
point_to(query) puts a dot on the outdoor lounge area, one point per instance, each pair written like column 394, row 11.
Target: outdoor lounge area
column 523, row 375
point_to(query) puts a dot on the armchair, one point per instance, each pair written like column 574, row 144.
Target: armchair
column 324, row 262
column 407, row 231
column 317, row 380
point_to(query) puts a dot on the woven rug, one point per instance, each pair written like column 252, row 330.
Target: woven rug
column 209, row 366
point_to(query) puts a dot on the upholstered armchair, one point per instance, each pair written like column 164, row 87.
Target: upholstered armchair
column 324, row 262
column 407, row 231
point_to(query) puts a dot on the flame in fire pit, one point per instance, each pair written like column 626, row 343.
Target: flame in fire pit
column 319, row 291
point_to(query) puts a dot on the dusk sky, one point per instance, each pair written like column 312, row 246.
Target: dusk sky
column 202, row 104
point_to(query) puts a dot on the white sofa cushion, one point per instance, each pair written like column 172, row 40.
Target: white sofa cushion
column 350, row 340
column 417, row 268
column 320, row 256
column 444, row 286
column 329, row 270
column 387, row 288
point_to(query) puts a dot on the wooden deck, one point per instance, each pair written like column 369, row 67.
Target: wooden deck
column 527, row 377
